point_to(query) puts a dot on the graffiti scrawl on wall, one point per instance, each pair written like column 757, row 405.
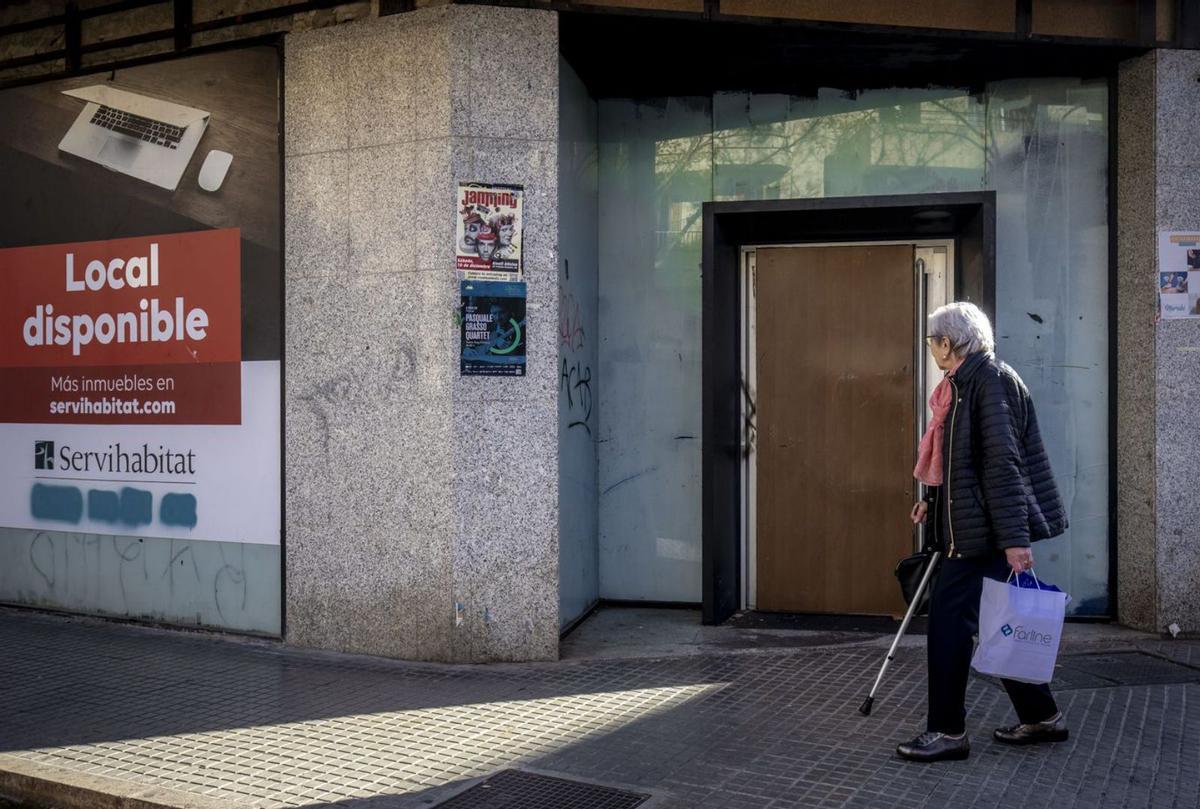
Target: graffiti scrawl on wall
column 575, row 372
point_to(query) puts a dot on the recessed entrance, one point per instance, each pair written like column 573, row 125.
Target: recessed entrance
column 815, row 374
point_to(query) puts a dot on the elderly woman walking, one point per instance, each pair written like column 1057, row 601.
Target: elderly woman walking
column 991, row 494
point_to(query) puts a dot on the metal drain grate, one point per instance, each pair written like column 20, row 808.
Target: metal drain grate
column 1130, row 668
column 1110, row 669
column 516, row 789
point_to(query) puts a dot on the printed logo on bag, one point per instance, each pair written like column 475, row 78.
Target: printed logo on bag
column 1023, row 635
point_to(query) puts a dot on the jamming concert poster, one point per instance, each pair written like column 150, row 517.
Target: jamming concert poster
column 489, row 232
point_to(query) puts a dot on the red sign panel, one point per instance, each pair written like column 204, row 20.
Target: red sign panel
column 144, row 330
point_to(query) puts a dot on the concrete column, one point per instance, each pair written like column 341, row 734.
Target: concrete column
column 422, row 508
column 1158, row 454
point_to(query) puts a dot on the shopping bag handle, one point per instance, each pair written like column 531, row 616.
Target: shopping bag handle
column 1037, row 584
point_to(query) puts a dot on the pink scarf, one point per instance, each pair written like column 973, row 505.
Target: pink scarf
column 929, row 455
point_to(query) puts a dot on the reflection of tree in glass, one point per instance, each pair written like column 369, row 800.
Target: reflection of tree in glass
column 682, row 183
column 948, row 133
column 880, row 142
column 768, row 147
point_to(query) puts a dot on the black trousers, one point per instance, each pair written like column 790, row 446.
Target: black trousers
column 953, row 620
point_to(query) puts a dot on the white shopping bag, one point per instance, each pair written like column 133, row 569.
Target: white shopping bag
column 1019, row 631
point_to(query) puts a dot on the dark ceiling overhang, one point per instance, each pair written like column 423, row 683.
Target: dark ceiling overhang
column 643, row 56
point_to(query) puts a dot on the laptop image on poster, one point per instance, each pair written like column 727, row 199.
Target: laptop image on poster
column 134, row 134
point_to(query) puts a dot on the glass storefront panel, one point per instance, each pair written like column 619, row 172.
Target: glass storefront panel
column 1048, row 164
column 655, row 172
column 1040, row 144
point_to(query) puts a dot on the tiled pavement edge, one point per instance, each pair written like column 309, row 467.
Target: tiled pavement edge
column 176, row 719
column 47, row 785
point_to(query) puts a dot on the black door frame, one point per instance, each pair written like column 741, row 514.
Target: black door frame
column 969, row 218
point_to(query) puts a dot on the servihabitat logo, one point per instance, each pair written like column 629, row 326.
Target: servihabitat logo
column 116, row 458
column 43, row 454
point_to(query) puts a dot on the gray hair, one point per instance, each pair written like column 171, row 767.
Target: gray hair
column 966, row 326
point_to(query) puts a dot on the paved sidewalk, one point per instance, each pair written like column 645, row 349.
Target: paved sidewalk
column 193, row 720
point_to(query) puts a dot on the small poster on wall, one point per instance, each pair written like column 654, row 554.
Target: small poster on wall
column 489, row 235
column 1179, row 274
column 492, row 328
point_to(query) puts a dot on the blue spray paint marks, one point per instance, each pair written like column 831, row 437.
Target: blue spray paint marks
column 178, row 509
column 103, row 506
column 64, row 503
column 137, row 506
column 131, row 507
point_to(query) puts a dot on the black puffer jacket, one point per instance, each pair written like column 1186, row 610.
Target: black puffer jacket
column 999, row 491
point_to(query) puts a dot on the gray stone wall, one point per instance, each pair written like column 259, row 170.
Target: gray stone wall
column 1159, row 362
column 422, row 508
column 1177, row 207
column 1137, row 303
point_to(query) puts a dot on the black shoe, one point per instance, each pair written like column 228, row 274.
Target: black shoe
column 1053, row 729
column 930, row 746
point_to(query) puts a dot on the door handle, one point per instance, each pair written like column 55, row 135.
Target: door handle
column 749, row 431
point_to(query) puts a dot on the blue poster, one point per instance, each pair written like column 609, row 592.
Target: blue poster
column 492, row 328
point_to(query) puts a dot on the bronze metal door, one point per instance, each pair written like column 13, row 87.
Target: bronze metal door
column 836, row 426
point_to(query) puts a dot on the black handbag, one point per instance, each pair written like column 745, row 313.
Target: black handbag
column 909, row 572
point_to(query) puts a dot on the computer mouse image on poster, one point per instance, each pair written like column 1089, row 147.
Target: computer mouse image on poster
column 215, row 167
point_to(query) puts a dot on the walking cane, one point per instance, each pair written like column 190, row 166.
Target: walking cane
column 865, row 710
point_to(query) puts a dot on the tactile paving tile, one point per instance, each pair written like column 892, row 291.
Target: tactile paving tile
column 515, row 789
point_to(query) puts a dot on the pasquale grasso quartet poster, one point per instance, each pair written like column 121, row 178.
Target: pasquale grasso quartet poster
column 492, row 329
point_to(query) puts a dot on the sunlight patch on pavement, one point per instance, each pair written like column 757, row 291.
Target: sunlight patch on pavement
column 356, row 756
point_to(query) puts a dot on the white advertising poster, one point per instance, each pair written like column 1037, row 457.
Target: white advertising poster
column 1178, row 274
column 206, row 482
column 127, row 402
column 141, row 339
